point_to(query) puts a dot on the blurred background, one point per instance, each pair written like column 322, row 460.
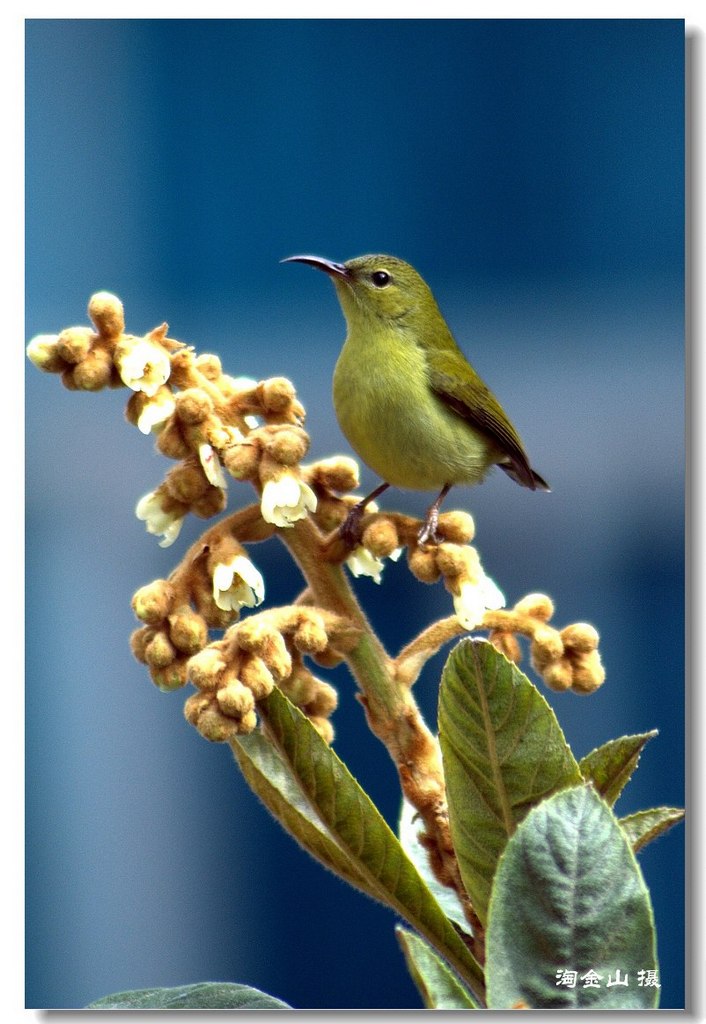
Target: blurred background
column 533, row 172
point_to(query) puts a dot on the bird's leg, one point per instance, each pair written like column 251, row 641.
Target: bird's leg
column 428, row 533
column 349, row 531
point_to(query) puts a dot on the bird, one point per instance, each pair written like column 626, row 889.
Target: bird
column 406, row 398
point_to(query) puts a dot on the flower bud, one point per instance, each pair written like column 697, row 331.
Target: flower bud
column 422, row 564
column 94, row 371
column 193, row 406
column 152, row 602
column 172, row 677
column 456, row 527
column 207, row 667
column 242, row 460
column 580, row 637
column 106, row 312
column 44, row 353
column 160, row 652
column 187, row 631
column 537, row 606
column 74, row 343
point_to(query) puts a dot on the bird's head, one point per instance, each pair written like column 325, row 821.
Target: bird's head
column 375, row 287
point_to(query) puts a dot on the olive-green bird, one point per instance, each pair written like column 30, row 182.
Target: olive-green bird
column 406, row 398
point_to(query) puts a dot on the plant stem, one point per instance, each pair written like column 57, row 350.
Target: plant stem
column 391, row 710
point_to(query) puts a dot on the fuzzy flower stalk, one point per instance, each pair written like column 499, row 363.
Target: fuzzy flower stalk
column 209, row 624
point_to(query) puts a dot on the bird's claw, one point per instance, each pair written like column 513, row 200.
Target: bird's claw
column 350, row 530
column 429, row 533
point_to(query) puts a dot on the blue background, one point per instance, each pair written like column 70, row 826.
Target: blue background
column 533, row 172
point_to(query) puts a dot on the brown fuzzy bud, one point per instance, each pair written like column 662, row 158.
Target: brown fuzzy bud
column 457, row 527
column 580, row 637
column 171, row 677
column 339, row 473
column 537, row 606
column 423, row 565
column 242, row 460
column 67, row 379
column 206, row 716
column 160, row 652
column 310, row 634
column 94, row 372
column 186, row 482
column 454, row 560
column 300, row 687
column 380, row 537
column 207, row 667
column 255, row 674
column 287, row 445
column 152, row 602
column 557, row 676
column 547, row 645
column 209, row 365
column 277, row 394
column 171, row 442
column 106, row 312
column 324, row 701
column 139, row 641
column 588, row 672
column 44, row 353
column 328, row 658
column 188, row 631
column 74, row 343
column 193, row 406
column 211, row 502
column 507, row 644
column 324, row 728
column 235, row 700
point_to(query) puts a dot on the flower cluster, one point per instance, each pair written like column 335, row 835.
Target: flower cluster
column 566, row 659
column 268, row 648
column 208, row 590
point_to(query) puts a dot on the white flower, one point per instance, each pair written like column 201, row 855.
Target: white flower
column 149, row 509
column 156, row 411
column 473, row 599
column 143, row 366
column 286, row 500
column 208, row 457
column 362, row 562
column 237, row 583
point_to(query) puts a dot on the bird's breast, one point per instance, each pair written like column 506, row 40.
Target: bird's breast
column 393, row 420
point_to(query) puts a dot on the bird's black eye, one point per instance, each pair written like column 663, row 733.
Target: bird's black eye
column 380, row 278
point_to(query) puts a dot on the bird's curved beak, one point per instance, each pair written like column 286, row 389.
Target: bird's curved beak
column 328, row 266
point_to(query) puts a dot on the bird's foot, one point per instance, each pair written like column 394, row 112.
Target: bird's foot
column 429, row 533
column 350, row 530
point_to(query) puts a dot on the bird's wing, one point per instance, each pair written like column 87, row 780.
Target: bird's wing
column 471, row 399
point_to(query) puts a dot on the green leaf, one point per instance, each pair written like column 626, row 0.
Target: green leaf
column 206, row 995
column 609, row 767
column 439, row 988
column 361, row 833
column 643, row 827
column 272, row 781
column 503, row 752
column 569, row 896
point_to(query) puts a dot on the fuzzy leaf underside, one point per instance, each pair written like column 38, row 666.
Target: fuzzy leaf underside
column 569, row 896
column 610, row 766
column 207, row 995
column 503, row 752
column 353, row 824
column 439, row 988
